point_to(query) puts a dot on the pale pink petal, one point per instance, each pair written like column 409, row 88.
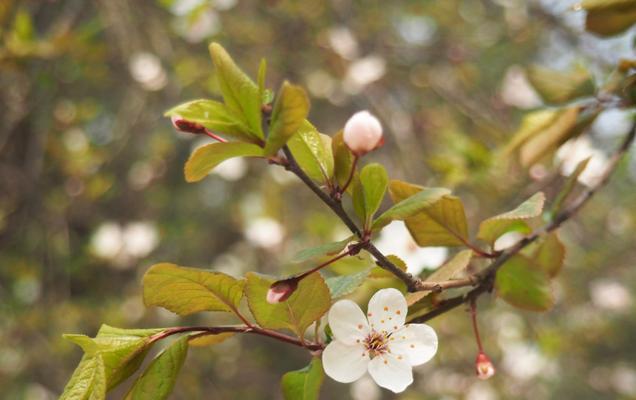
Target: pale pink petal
column 347, row 322
column 345, row 363
column 417, row 343
column 387, row 310
column 390, row 372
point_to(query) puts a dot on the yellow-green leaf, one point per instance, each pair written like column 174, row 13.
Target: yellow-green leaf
column 205, row 158
column 561, row 86
column 122, row 350
column 185, row 291
column 240, row 93
column 419, row 199
column 440, row 223
column 290, row 110
column 549, row 254
column 312, row 151
column 157, row 381
column 568, row 186
column 550, row 137
column 523, row 284
column 493, row 227
column 215, row 116
column 303, row 384
column 88, row 381
column 308, row 303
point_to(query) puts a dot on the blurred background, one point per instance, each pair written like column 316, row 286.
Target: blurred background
column 92, row 190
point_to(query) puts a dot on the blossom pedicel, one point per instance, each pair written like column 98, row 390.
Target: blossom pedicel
column 378, row 343
column 363, row 133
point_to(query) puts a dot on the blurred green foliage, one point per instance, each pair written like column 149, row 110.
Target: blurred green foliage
column 92, row 189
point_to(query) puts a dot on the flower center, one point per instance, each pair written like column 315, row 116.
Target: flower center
column 376, row 343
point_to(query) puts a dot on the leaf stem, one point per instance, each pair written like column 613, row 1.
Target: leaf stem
column 351, row 174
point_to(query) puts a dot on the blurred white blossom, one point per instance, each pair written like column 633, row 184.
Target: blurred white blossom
column 396, row 239
column 264, row 232
column 610, row 295
column 146, row 69
column 577, row 150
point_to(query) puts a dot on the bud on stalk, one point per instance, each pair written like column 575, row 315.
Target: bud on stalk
column 280, row 291
column 483, row 366
column 363, row 133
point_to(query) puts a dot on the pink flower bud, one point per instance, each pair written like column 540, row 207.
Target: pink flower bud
column 484, row 367
column 363, row 133
column 280, row 291
column 183, row 125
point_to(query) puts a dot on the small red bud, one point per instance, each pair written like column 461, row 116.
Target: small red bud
column 484, row 367
column 183, row 125
column 280, row 291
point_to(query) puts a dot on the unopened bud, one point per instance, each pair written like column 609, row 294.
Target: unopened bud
column 280, row 291
column 484, row 367
column 183, row 125
column 363, row 133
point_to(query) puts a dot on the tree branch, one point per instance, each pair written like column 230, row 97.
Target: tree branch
column 215, row 330
column 292, row 166
column 486, row 277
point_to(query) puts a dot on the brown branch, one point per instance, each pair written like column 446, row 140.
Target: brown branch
column 215, row 330
column 336, row 207
column 486, row 277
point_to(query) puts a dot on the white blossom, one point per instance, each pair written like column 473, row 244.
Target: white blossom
column 378, row 343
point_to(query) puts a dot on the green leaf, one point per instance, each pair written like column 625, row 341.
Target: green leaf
column 240, row 93
column 493, row 227
column 568, row 186
column 305, row 383
column 290, row 110
column 88, row 381
column 345, row 284
column 209, row 340
column 205, row 158
column 214, row 116
column 532, row 123
column 609, row 17
column 122, row 350
column 312, row 151
column 157, row 381
column 319, row 251
column 370, row 191
column 449, row 270
column 558, row 86
column 549, row 254
column 442, row 223
column 307, row 304
column 522, row 284
column 343, row 160
column 185, row 291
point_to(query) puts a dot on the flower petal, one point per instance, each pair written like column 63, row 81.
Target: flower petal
column 387, row 310
column 390, row 372
column 416, row 342
column 347, row 322
column 345, row 363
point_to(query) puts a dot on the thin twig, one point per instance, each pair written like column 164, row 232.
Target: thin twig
column 215, row 330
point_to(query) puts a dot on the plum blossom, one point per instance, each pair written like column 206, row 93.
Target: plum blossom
column 379, row 343
column 363, row 133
